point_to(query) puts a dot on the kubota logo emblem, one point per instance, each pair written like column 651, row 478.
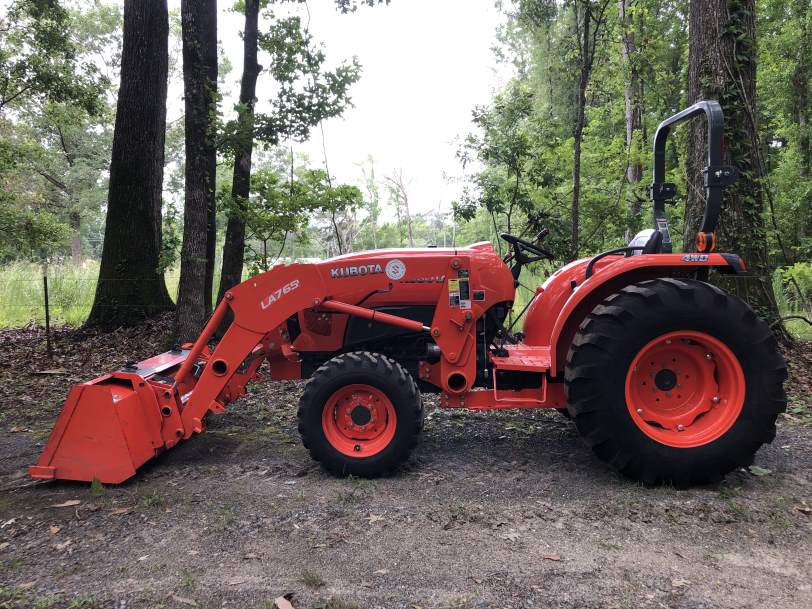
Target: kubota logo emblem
column 272, row 298
column 395, row 269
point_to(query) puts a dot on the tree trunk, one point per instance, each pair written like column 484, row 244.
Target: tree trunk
column 76, row 237
column 722, row 66
column 633, row 110
column 131, row 287
column 199, row 22
column 408, row 218
column 800, row 90
column 234, row 247
column 578, row 132
column 800, row 85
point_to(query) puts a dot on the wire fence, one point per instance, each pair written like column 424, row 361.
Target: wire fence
column 53, row 297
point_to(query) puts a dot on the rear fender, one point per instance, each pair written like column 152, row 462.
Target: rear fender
column 568, row 297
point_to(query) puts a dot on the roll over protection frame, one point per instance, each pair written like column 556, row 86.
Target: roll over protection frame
column 717, row 175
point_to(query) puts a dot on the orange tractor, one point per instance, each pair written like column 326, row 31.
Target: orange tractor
column 667, row 377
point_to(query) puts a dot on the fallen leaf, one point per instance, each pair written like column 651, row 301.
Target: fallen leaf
column 511, row 536
column 381, row 572
column 250, row 556
column 121, row 511
column 804, row 509
column 143, row 558
column 679, row 583
column 54, row 529
column 760, row 471
column 26, row 585
column 373, row 518
column 17, row 429
column 184, row 601
column 63, row 545
column 4, row 545
column 555, row 557
column 8, row 523
column 69, row 503
column 51, row 371
column 282, row 603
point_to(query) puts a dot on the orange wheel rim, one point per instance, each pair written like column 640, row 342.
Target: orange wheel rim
column 685, row 389
column 359, row 420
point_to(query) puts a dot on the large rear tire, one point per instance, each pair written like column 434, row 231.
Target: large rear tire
column 675, row 381
column 360, row 415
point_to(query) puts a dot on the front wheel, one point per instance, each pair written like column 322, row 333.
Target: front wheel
column 675, row 381
column 360, row 415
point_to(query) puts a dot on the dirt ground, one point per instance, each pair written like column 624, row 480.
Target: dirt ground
column 495, row 510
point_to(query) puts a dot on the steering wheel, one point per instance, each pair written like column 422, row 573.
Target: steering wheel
column 520, row 246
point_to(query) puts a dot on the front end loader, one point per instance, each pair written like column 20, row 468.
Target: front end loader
column 668, row 378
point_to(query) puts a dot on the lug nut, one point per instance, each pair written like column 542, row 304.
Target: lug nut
column 716, row 399
column 668, row 342
column 680, row 427
column 708, row 356
column 639, row 411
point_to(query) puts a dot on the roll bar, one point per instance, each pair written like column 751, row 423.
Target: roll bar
column 717, row 175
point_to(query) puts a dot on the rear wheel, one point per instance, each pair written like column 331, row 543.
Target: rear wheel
column 360, row 415
column 675, row 381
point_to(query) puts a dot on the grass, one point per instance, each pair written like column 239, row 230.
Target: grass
column 312, row 580
column 17, row 598
column 71, row 289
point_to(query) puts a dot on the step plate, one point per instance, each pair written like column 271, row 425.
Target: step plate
column 523, row 358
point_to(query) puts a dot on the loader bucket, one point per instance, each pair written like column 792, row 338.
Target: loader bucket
column 112, row 425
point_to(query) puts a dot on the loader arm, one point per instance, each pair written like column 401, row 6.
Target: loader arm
column 260, row 305
column 111, row 425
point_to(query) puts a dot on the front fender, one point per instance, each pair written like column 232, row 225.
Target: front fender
column 567, row 297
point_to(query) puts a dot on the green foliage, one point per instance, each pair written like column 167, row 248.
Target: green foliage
column 281, row 206
column 56, row 126
column 171, row 237
column 33, row 234
column 39, row 59
column 306, row 92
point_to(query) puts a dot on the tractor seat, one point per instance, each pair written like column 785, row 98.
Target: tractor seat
column 651, row 241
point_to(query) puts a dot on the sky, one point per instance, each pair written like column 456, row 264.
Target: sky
column 426, row 64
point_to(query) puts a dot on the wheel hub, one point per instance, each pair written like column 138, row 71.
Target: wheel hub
column 359, row 420
column 361, row 415
column 665, row 379
column 685, row 389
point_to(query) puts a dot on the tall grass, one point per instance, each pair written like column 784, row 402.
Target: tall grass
column 71, row 289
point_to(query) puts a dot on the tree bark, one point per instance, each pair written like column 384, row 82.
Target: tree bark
column 199, row 23
column 234, row 247
column 76, row 237
column 580, row 117
column 131, row 286
column 800, row 90
column 722, row 66
column 800, row 85
column 633, row 109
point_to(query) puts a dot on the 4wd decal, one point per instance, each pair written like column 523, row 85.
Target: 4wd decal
column 361, row 270
column 272, row 298
column 695, row 258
